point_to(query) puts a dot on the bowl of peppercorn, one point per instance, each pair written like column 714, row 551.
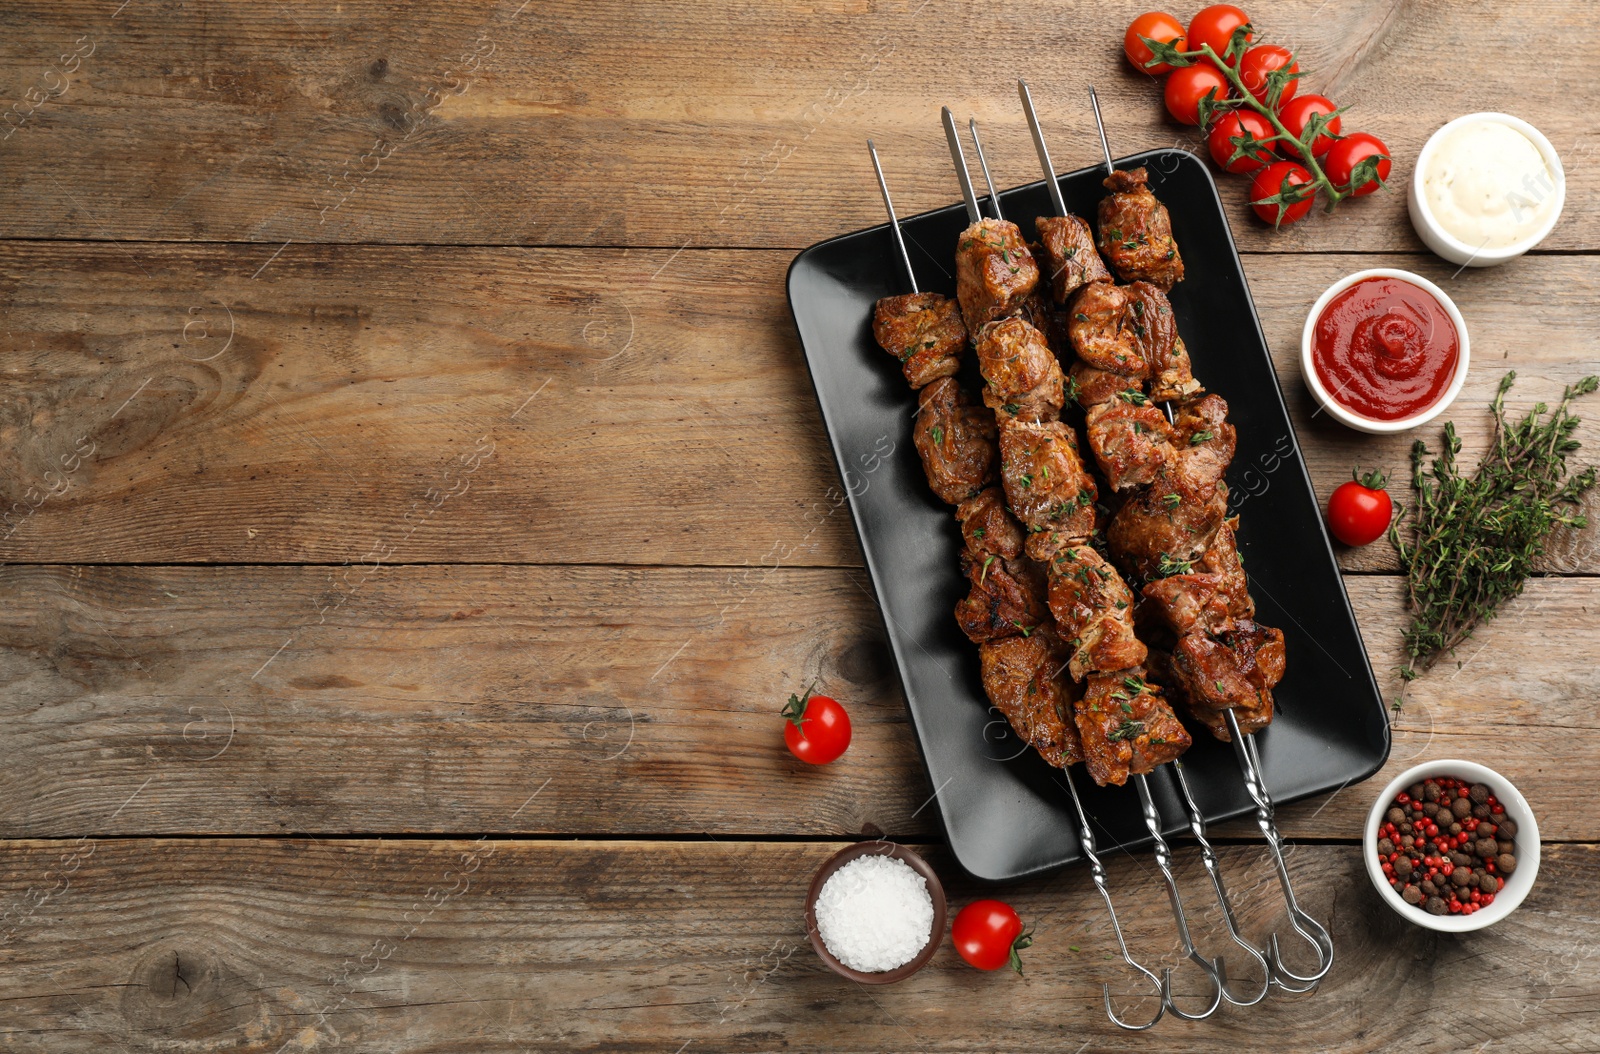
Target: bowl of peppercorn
column 1451, row 846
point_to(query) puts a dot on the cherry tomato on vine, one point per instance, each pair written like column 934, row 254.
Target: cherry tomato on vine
column 1296, row 114
column 1279, row 178
column 1344, row 162
column 1155, row 25
column 1359, row 509
column 1234, row 125
column 989, row 934
column 1187, row 86
column 817, row 730
column 1262, row 60
column 1214, row 25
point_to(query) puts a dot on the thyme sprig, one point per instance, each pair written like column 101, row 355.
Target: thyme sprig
column 1474, row 540
column 1365, row 170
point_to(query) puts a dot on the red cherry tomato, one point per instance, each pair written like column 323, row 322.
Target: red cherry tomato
column 1234, row 125
column 1214, row 25
column 988, row 934
column 1187, row 86
column 1278, row 178
column 1359, row 510
column 1296, row 114
column 817, row 730
column 1344, row 162
column 1262, row 60
column 1154, row 25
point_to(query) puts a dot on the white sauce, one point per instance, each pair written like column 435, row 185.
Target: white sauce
column 1488, row 186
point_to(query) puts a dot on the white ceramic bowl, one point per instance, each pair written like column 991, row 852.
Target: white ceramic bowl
column 1448, row 245
column 1350, row 418
column 1518, row 883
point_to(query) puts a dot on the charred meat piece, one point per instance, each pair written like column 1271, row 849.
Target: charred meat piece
column 1100, row 324
column 955, row 440
column 1024, row 379
column 1068, row 258
column 987, row 527
column 1126, row 727
column 1022, row 677
column 1006, row 598
column 1172, row 377
column 994, row 271
column 1046, row 485
column 1130, row 441
column 1093, row 608
column 1236, row 669
column 1210, row 598
column 1155, row 329
column 1136, row 232
column 1165, row 527
column 923, row 331
column 1091, row 387
column 1205, row 440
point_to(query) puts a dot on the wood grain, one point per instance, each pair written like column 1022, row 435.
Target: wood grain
column 495, row 946
column 579, row 699
column 709, row 123
column 619, row 406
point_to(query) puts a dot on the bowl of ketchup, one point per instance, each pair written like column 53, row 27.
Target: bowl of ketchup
column 1384, row 350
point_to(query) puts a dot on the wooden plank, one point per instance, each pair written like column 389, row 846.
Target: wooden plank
column 580, row 699
column 469, row 404
column 456, row 946
column 713, row 124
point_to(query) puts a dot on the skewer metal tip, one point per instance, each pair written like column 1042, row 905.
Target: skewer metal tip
column 1050, row 181
column 1100, row 124
column 959, row 159
column 983, row 163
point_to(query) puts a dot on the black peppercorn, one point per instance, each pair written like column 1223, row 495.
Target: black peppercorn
column 1461, row 807
column 1460, row 859
column 1507, row 829
column 1461, row 876
column 1395, row 815
column 1428, row 888
column 1478, row 793
column 1435, row 906
column 1486, row 848
column 1403, row 868
column 1482, row 812
column 1411, row 895
column 1385, row 847
column 1506, row 863
column 1487, row 883
column 1431, row 791
column 1506, row 847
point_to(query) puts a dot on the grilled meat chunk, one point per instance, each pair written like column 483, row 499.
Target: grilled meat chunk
column 1022, row 677
column 1235, row 669
column 1093, row 608
column 1046, row 485
column 1130, row 441
column 1136, row 231
column 994, row 271
column 1024, row 378
column 1037, row 311
column 1165, row 527
column 1068, row 256
column 1171, row 376
column 1006, row 597
column 1090, row 387
column 1126, row 727
column 955, row 439
column 1101, row 327
column 987, row 527
column 1205, row 438
column 923, row 331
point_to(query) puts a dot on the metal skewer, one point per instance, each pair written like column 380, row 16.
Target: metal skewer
column 1152, row 815
column 894, row 221
column 1244, row 748
column 1097, row 870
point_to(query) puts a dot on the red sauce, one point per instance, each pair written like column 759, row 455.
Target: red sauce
column 1385, row 349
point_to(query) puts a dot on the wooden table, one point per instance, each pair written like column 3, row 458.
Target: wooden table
column 420, row 517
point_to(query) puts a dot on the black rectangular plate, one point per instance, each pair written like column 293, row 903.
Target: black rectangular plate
column 1005, row 812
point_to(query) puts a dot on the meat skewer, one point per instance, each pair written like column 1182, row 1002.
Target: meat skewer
column 1124, row 664
column 993, row 561
column 1197, row 823
column 1248, row 640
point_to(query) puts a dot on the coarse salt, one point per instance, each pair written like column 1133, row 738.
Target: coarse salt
column 875, row 913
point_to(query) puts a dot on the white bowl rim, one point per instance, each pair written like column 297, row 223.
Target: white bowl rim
column 1552, row 161
column 1517, row 885
column 1367, row 424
